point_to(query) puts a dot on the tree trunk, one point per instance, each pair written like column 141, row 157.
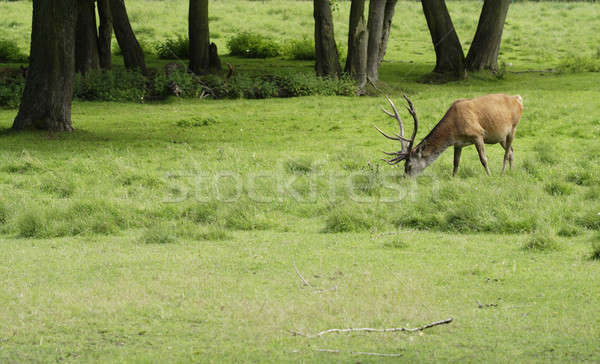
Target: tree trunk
column 357, row 67
column 133, row 56
column 46, row 102
column 450, row 58
column 105, row 34
column 483, row 53
column 328, row 60
column 357, row 15
column 375, row 25
column 86, row 38
column 388, row 15
column 203, row 54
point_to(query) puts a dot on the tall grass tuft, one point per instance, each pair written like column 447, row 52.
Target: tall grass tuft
column 595, row 254
column 541, row 242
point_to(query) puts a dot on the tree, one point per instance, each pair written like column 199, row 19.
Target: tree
column 86, row 40
column 46, row 102
column 375, row 26
column 375, row 33
column 450, row 58
column 203, row 54
column 105, row 34
column 388, row 15
column 133, row 55
column 328, row 60
column 356, row 59
column 483, row 53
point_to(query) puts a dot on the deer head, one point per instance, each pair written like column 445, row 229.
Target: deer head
column 413, row 162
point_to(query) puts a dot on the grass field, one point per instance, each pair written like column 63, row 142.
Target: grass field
column 175, row 231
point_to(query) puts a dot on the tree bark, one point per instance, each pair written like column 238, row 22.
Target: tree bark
column 357, row 15
column 390, row 7
column 328, row 60
column 375, row 26
column 46, row 102
column 203, row 54
column 105, row 34
column 450, row 58
column 357, row 67
column 483, row 53
column 86, row 39
column 133, row 56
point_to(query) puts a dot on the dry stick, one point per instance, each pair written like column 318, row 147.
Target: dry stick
column 355, row 352
column 306, row 283
column 300, row 275
column 367, row 329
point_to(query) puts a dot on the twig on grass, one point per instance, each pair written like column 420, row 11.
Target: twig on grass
column 307, row 283
column 300, row 275
column 368, row 329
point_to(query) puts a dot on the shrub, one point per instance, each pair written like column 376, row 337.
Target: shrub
column 396, row 243
column 558, row 189
column 578, row 64
column 11, row 91
column 10, row 52
column 252, row 46
column 173, row 48
column 216, row 233
column 201, row 213
column 158, row 234
column 595, row 255
column 348, row 219
column 541, row 242
column 3, row 213
column 303, row 50
column 119, row 85
column 32, row 224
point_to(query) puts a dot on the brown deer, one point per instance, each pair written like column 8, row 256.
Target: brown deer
column 488, row 119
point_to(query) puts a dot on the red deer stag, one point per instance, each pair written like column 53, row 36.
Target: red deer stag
column 488, row 119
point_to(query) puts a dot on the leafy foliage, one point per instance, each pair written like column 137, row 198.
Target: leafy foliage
column 10, row 52
column 173, row 48
column 250, row 45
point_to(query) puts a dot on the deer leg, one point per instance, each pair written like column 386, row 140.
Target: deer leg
column 508, row 154
column 457, row 151
column 481, row 150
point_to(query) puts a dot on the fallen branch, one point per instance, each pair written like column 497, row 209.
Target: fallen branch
column 367, row 329
column 355, row 352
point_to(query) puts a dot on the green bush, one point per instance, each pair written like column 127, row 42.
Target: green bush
column 578, row 64
column 158, row 234
column 11, row 90
column 32, row 224
column 173, row 48
column 541, row 242
column 250, row 45
column 10, row 52
column 118, row 85
column 303, row 50
column 595, row 255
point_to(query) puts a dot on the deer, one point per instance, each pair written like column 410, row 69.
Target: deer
column 489, row 119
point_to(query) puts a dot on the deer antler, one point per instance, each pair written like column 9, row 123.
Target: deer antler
column 406, row 144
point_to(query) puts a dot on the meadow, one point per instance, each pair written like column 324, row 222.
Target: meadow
column 184, row 230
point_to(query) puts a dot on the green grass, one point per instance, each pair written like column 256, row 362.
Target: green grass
column 168, row 232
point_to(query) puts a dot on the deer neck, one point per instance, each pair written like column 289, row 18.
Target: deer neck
column 432, row 146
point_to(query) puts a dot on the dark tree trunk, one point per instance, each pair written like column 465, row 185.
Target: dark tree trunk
column 203, row 54
column 133, row 56
column 483, row 53
column 450, row 58
column 357, row 67
column 375, row 25
column 328, row 60
column 357, row 15
column 390, row 7
column 86, row 38
column 105, row 34
column 46, row 102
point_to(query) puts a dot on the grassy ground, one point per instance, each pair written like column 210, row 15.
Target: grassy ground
column 170, row 231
